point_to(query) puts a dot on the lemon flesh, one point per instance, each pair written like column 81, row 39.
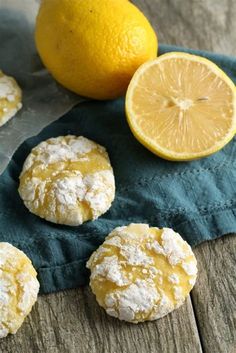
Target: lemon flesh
column 181, row 106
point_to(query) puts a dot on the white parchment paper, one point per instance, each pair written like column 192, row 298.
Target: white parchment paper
column 43, row 99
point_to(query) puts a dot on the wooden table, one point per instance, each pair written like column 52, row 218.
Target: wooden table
column 72, row 322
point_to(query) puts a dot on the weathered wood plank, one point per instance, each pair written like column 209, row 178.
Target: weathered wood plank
column 72, row 322
column 209, row 25
column 214, row 296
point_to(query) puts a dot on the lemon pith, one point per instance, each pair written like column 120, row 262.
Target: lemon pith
column 181, row 106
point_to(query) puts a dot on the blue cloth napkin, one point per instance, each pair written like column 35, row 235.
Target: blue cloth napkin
column 197, row 199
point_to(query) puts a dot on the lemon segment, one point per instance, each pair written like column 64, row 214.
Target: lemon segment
column 181, row 106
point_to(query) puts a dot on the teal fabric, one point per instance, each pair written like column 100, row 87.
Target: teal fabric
column 197, row 199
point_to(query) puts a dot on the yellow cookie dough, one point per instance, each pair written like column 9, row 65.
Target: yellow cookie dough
column 141, row 273
column 10, row 98
column 18, row 288
column 67, row 180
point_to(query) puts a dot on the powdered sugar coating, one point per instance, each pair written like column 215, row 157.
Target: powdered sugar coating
column 67, row 180
column 10, row 98
column 151, row 271
column 111, row 270
column 140, row 296
column 173, row 278
column 135, row 256
column 18, row 288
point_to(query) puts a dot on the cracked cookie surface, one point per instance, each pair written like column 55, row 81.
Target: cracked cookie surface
column 142, row 273
column 67, row 180
column 10, row 98
column 18, row 288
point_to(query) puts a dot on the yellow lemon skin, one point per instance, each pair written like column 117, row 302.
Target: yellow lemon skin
column 93, row 47
column 181, row 106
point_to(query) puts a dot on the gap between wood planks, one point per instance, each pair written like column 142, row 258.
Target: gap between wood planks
column 196, row 323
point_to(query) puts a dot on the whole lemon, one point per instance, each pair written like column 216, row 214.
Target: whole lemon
column 93, row 47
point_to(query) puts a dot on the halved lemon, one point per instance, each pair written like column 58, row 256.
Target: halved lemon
column 181, row 106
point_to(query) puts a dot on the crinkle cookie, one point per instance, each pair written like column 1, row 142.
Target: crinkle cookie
column 18, row 288
column 10, row 98
column 67, row 180
column 141, row 273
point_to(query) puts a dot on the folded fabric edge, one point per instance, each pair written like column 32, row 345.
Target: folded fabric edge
column 164, row 48
column 67, row 276
column 208, row 227
column 75, row 274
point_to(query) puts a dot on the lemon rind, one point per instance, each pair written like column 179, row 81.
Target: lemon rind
column 156, row 148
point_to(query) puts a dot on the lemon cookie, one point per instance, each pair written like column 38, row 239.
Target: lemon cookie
column 10, row 98
column 67, row 180
column 141, row 273
column 18, row 288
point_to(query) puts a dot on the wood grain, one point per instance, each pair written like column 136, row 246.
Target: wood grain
column 214, row 296
column 72, row 322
